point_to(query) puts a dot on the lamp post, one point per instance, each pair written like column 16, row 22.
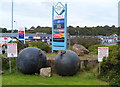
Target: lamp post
column 12, row 18
column 12, row 36
column 15, row 26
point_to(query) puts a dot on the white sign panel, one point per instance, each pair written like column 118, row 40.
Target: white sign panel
column 12, row 50
column 21, row 29
column 59, row 11
column 102, row 52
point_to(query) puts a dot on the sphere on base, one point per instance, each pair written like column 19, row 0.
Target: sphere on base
column 31, row 60
column 67, row 63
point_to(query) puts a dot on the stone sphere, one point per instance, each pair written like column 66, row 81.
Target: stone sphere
column 31, row 60
column 67, row 63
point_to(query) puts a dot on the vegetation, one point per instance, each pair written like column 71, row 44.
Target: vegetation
column 94, row 48
column 40, row 45
column 110, row 67
column 89, row 31
column 83, row 78
column 36, row 44
column 87, row 42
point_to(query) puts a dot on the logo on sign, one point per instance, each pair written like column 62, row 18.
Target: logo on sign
column 59, row 21
column 59, row 8
column 58, row 34
column 20, row 32
column 59, row 30
column 21, row 36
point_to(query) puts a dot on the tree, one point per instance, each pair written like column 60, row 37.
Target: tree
column 70, row 26
column 38, row 27
column 77, row 27
column 32, row 27
column 113, row 26
column 4, row 30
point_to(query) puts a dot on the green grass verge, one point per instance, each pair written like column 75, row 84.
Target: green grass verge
column 85, row 57
column 83, row 78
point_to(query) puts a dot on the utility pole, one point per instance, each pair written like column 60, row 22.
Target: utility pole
column 12, row 18
column 11, row 36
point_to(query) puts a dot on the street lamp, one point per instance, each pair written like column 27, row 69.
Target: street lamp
column 12, row 18
column 12, row 37
column 16, row 27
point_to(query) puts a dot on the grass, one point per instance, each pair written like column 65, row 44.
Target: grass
column 85, row 57
column 51, row 55
column 89, row 57
column 81, row 78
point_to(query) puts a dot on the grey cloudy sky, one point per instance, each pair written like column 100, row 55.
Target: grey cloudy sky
column 81, row 13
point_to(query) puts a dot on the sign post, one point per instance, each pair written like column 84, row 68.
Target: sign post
column 102, row 52
column 21, row 33
column 59, row 27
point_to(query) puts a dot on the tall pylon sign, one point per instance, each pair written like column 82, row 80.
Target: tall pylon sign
column 59, row 26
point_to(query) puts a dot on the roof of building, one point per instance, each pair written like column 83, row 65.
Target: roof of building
column 26, row 34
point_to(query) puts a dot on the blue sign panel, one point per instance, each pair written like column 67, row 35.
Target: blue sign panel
column 21, row 36
column 59, row 21
column 59, row 27
column 30, row 37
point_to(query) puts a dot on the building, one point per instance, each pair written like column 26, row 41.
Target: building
column 46, row 38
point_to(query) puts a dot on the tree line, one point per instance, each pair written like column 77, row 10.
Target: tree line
column 90, row 31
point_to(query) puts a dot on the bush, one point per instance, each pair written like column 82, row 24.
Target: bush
column 36, row 44
column 19, row 44
column 87, row 42
column 115, row 81
column 94, row 48
column 5, row 63
column 39, row 45
column 110, row 67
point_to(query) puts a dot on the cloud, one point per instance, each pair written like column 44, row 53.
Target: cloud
column 80, row 12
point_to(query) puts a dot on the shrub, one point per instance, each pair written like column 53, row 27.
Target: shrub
column 5, row 63
column 94, row 48
column 19, row 44
column 39, row 45
column 115, row 81
column 36, row 44
column 110, row 68
column 87, row 42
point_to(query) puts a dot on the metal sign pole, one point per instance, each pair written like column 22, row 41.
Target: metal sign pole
column 10, row 65
column 12, row 38
column 52, row 25
column 99, row 68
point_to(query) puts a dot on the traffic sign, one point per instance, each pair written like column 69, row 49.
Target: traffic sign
column 11, row 50
column 59, row 27
column 21, row 35
column 102, row 52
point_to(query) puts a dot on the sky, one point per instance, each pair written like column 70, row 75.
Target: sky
column 28, row 13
